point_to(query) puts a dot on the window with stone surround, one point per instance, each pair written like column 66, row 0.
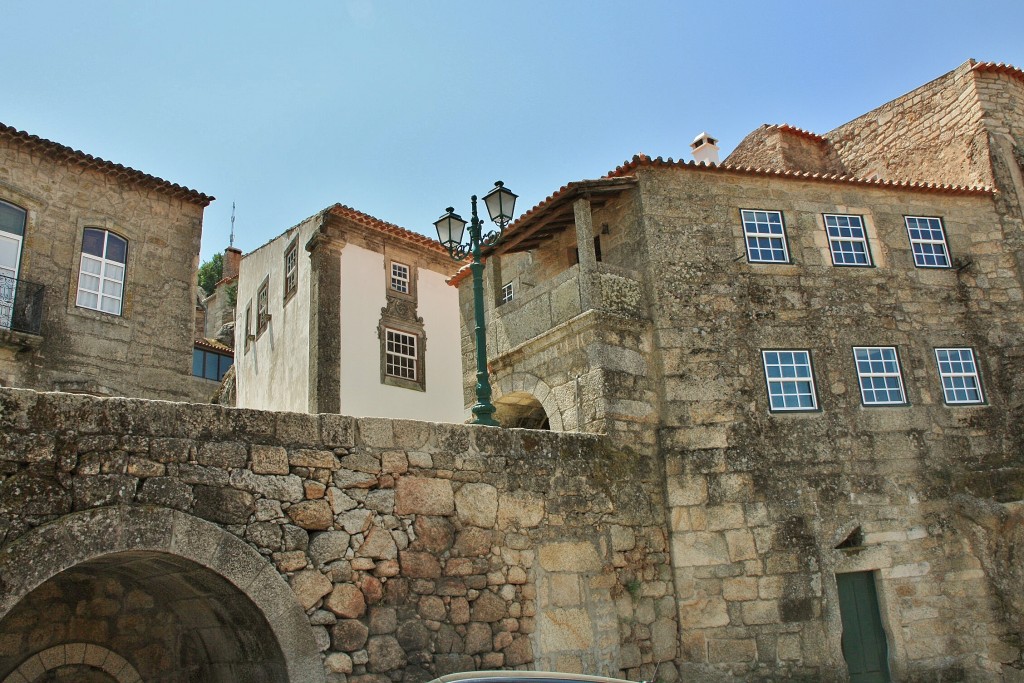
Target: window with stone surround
column 401, row 355
column 507, row 293
column 764, row 234
column 847, row 240
column 959, row 374
column 928, row 241
column 101, row 273
column 879, row 376
column 291, row 270
column 248, row 325
column 790, row 380
column 400, row 277
column 263, row 307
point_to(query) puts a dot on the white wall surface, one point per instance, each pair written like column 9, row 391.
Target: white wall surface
column 364, row 286
column 273, row 374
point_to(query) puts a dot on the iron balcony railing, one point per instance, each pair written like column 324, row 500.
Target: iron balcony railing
column 21, row 305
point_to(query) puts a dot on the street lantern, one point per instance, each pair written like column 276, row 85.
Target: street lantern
column 450, row 227
column 500, row 204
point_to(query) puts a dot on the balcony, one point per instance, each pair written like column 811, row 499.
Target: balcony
column 21, row 312
column 542, row 307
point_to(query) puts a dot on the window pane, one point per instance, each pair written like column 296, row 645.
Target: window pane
column 117, row 248
column 211, row 365
column 88, row 300
column 92, row 242
column 790, row 381
column 12, row 219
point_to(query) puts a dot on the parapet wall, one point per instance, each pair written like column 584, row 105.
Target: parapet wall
column 414, row 549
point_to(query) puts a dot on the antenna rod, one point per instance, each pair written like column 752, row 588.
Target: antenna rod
column 231, row 239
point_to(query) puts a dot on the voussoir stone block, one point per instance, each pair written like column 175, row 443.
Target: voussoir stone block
column 423, row 496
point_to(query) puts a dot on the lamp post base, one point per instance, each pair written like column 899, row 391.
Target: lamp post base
column 484, row 415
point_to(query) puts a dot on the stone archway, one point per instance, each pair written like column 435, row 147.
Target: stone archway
column 158, row 587
column 77, row 662
column 530, row 393
column 520, row 409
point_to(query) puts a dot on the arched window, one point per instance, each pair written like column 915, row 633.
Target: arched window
column 101, row 278
column 12, row 232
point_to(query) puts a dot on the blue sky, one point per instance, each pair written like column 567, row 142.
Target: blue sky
column 401, row 108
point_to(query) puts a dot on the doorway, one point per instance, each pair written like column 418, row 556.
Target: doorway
column 864, row 644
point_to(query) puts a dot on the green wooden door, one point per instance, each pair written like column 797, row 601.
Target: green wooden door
column 864, row 645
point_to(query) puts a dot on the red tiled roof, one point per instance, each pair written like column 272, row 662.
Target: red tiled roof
column 786, row 128
column 999, row 67
column 644, row 161
column 213, row 345
column 65, row 153
column 377, row 224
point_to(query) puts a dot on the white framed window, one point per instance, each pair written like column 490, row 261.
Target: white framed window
column 765, row 236
column 847, row 240
column 263, row 306
column 291, row 270
column 790, row 380
column 959, row 374
column 878, row 374
column 928, row 241
column 400, row 354
column 507, row 293
column 400, row 277
column 101, row 276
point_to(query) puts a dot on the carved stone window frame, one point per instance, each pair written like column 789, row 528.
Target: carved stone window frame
column 400, row 316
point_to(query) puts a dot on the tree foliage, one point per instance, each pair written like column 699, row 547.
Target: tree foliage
column 211, row 272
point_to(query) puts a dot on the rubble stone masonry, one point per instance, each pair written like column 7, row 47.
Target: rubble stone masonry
column 207, row 543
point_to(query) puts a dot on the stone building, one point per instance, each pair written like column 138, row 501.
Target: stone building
column 345, row 313
column 820, row 340
column 97, row 274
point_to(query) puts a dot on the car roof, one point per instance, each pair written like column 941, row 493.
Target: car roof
column 494, row 676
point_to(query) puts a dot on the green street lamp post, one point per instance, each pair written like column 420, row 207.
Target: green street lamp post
column 500, row 204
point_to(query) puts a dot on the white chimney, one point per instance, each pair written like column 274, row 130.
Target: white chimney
column 705, row 149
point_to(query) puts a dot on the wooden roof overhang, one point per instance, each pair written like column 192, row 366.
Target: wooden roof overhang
column 555, row 214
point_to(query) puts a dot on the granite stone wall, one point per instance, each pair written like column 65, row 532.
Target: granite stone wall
column 406, row 549
column 146, row 351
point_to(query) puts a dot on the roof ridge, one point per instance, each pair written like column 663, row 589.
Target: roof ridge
column 644, row 160
column 65, row 152
column 999, row 67
column 369, row 221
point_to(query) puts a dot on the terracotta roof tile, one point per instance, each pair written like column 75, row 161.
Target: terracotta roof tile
column 999, row 67
column 786, row 128
column 65, row 153
column 369, row 221
column 213, row 345
column 642, row 161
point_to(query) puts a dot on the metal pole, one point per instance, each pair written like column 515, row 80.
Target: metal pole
column 483, row 410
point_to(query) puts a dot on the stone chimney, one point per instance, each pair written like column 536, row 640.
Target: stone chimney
column 705, row 149
column 232, row 260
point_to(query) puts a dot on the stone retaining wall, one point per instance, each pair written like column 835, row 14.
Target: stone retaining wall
column 414, row 549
